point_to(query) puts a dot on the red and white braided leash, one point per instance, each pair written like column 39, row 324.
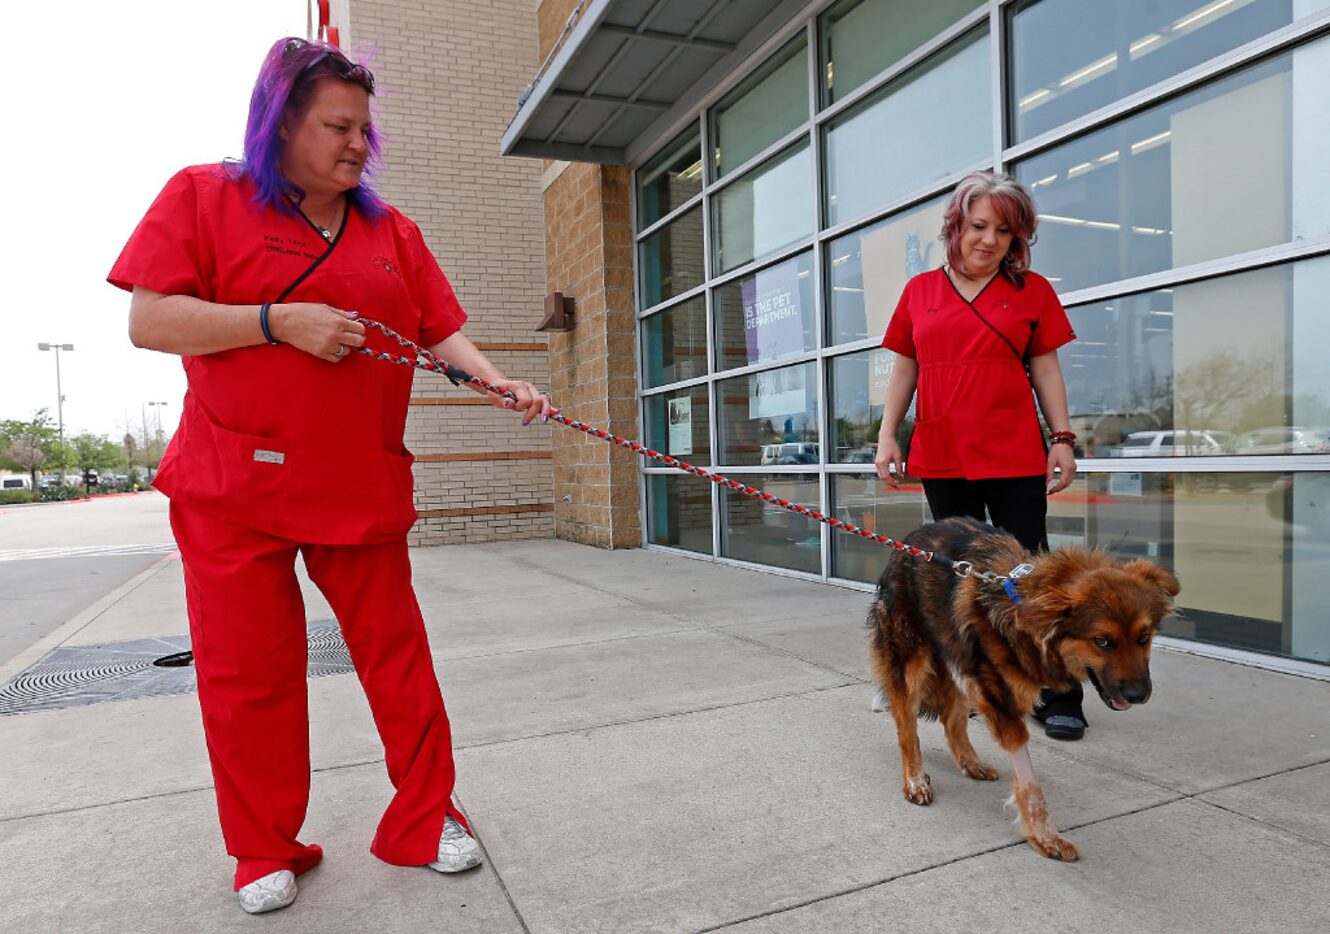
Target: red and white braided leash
column 424, row 360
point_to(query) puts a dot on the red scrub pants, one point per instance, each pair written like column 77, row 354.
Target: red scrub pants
column 247, row 626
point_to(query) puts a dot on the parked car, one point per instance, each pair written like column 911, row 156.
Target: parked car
column 1292, row 439
column 800, row 452
column 16, row 483
column 1168, row 444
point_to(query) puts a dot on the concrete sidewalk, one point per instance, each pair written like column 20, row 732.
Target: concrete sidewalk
column 651, row 743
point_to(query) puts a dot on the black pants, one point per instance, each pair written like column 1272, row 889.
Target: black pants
column 1018, row 505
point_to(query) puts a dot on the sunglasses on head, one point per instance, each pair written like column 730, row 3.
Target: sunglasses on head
column 342, row 66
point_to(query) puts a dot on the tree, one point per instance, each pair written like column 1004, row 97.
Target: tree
column 29, row 445
column 97, row 452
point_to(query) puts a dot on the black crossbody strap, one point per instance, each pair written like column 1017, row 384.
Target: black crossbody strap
column 318, row 262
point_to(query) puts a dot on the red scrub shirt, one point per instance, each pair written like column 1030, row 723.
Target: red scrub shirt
column 272, row 437
column 975, row 412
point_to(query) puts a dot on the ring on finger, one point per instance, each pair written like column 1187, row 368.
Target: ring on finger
column 337, row 354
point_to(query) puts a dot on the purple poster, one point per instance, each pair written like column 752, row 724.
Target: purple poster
column 773, row 318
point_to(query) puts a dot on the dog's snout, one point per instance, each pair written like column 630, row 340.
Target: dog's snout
column 1136, row 693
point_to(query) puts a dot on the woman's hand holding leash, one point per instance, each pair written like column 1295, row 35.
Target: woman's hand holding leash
column 528, row 400
column 319, row 330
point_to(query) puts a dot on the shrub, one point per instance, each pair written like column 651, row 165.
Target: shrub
column 12, row 497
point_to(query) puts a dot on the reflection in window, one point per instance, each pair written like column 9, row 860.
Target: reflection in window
column 869, row 269
column 769, row 418
column 766, row 315
column 754, row 530
column 1226, row 536
column 765, row 107
column 1070, row 57
column 679, row 512
column 1148, row 193
column 1223, row 366
column 669, row 179
column 671, row 259
column 674, row 343
column 677, row 423
column 858, row 393
column 767, row 208
column 861, row 38
column 872, row 505
column 902, row 139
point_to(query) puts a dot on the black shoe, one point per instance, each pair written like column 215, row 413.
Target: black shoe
column 1061, row 716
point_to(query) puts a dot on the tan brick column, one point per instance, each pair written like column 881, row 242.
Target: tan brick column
column 588, row 240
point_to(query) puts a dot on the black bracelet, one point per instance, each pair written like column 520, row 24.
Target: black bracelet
column 263, row 323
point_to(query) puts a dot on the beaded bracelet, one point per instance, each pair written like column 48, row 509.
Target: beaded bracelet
column 1063, row 437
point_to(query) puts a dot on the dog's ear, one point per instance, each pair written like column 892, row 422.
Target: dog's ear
column 1153, row 574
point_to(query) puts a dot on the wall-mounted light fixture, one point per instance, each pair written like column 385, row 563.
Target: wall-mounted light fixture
column 558, row 313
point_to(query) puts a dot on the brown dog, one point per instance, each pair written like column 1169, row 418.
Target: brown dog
column 942, row 645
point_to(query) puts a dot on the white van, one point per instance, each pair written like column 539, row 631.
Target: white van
column 16, row 482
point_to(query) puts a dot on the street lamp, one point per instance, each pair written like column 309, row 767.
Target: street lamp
column 158, row 415
column 59, row 399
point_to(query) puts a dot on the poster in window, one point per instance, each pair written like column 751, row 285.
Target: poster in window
column 895, row 253
column 681, row 426
column 773, row 313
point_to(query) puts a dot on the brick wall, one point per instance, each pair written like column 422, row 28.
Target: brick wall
column 449, row 74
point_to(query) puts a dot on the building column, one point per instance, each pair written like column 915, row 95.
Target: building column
column 589, row 258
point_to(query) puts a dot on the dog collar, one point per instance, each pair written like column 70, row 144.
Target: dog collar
column 1015, row 574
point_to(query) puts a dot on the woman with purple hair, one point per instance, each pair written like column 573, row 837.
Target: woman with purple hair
column 256, row 273
column 972, row 338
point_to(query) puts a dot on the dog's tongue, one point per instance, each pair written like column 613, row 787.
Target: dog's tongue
column 1119, row 705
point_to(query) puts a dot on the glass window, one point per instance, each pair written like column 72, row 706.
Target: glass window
column 672, row 177
column 1232, row 365
column 769, row 207
column 765, row 107
column 1070, row 57
column 1150, row 192
column 671, row 259
column 678, row 423
column 935, row 120
column 1252, row 550
column 767, row 315
column 862, row 38
column 858, row 393
column 754, row 530
column 872, row 505
column 679, row 512
column 869, row 269
column 769, row 418
column 674, row 343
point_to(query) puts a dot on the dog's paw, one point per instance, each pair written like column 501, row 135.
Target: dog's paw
column 919, row 790
column 1055, row 847
column 978, row 770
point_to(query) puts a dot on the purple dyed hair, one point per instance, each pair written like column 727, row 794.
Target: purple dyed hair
column 1012, row 204
column 283, row 90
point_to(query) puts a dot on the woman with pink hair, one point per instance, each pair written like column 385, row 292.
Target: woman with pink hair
column 972, row 339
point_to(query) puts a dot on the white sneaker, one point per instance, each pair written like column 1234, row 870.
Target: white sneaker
column 458, row 850
column 273, row 891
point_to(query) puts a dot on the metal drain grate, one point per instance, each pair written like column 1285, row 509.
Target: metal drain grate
column 94, row 674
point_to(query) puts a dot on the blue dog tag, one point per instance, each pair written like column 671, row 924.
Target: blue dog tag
column 1010, row 587
column 1015, row 574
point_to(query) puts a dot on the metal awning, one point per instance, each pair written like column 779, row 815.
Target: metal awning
column 631, row 65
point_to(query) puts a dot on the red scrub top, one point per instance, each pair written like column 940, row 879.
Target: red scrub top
column 975, row 411
column 270, row 436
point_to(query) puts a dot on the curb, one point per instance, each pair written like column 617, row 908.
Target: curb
column 66, row 630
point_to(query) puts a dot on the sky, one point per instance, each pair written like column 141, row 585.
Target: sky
column 106, row 102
